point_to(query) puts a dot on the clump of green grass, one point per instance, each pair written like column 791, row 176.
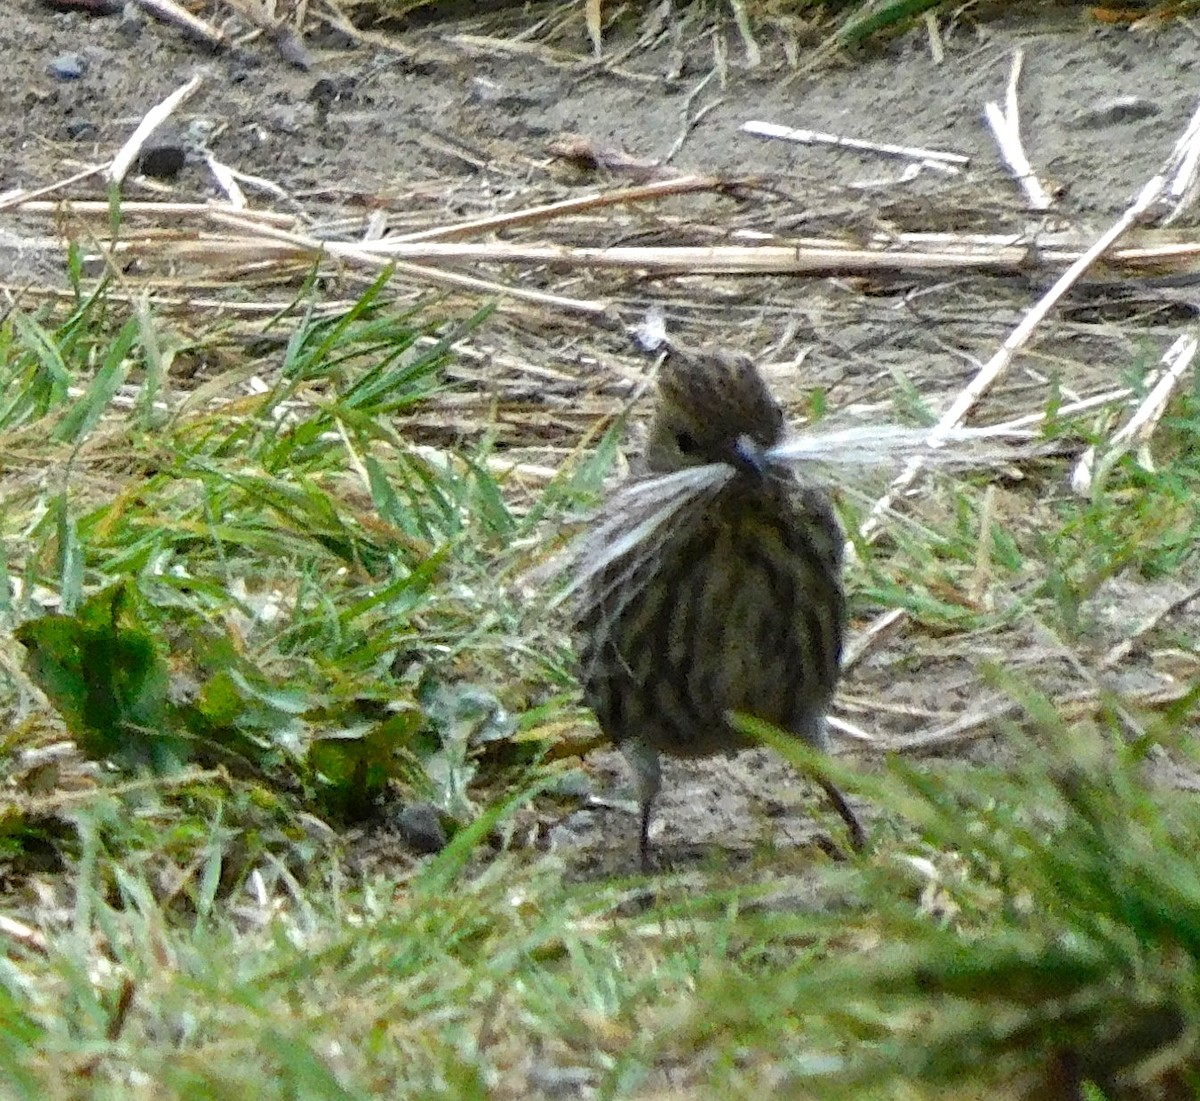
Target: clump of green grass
column 281, row 584
column 1031, row 931
column 1037, row 937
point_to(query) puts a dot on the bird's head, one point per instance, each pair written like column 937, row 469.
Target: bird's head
column 713, row 410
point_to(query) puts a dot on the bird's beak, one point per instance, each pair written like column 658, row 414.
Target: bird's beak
column 748, row 456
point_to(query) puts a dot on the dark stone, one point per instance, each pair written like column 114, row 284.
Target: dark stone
column 290, row 48
column 421, row 827
column 331, row 38
column 82, row 130
column 323, row 93
column 163, row 162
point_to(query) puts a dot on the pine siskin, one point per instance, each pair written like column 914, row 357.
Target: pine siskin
column 712, row 585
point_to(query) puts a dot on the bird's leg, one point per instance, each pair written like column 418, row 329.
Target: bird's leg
column 858, row 836
column 647, row 775
column 644, row 838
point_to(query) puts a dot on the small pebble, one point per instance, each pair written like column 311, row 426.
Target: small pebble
column 326, row 37
column 82, row 130
column 421, row 827
column 67, row 67
column 163, row 162
column 323, row 93
column 291, row 49
column 1115, row 111
column 488, row 92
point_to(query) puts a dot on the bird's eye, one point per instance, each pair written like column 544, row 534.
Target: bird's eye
column 687, row 443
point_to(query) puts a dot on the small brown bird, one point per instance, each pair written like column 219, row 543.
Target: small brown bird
column 712, row 585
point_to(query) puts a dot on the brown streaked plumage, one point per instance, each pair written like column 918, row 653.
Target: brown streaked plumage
column 728, row 598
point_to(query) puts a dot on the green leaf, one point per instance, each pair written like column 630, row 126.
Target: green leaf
column 103, row 672
column 351, row 768
column 108, row 379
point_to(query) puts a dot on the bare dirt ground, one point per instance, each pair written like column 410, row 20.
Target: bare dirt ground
column 458, row 120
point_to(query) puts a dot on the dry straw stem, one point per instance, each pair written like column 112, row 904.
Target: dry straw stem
column 167, row 211
column 25, row 935
column 1185, row 182
column 1069, row 409
column 849, row 730
column 595, row 25
column 1146, row 199
column 936, row 49
column 980, row 722
column 296, row 246
column 817, row 137
column 681, row 185
column 18, row 197
column 905, row 252
column 816, row 257
column 171, row 12
column 742, row 20
column 267, row 243
column 1140, row 426
column 227, row 182
column 1005, row 125
column 870, row 637
column 330, row 307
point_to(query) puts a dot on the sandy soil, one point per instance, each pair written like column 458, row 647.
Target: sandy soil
column 446, row 127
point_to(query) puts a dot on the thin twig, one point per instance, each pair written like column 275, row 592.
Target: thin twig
column 936, row 50
column 742, row 20
column 975, row 724
column 1184, row 185
column 226, row 182
column 799, row 259
column 867, row 639
column 690, row 121
column 1083, row 405
column 24, row 935
column 816, row 137
column 170, row 12
column 682, row 185
column 1140, row 426
column 20, row 199
column 978, row 723
column 365, row 253
column 843, row 726
column 1006, row 128
column 167, row 210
